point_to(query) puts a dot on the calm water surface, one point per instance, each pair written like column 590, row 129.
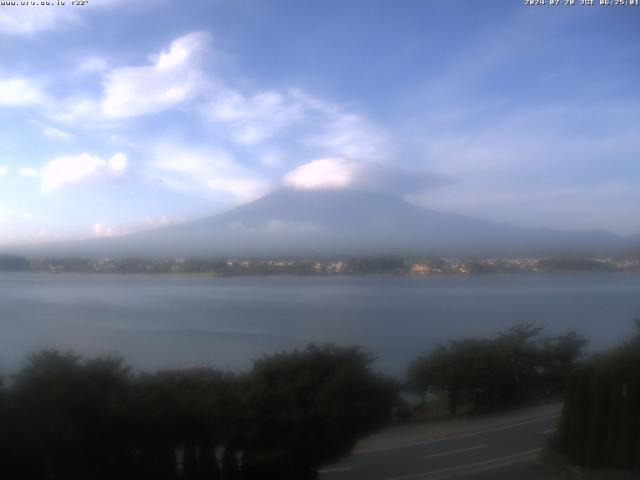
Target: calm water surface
column 167, row 321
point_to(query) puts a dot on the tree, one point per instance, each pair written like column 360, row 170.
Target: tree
column 65, row 418
column 308, row 408
column 69, row 416
column 559, row 357
column 486, row 373
column 600, row 424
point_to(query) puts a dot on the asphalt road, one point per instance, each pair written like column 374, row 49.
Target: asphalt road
column 499, row 452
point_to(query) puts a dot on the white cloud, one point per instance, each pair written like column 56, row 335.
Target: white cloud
column 205, row 171
column 104, row 230
column 350, row 135
column 174, row 76
column 73, row 109
column 27, row 20
column 252, row 120
column 71, row 169
column 256, row 118
column 16, row 91
column 324, row 126
column 52, row 132
column 118, row 163
column 32, row 19
column 325, row 173
column 55, row 133
column 340, row 173
column 28, row 172
column 337, row 131
column 4, row 170
column 256, row 121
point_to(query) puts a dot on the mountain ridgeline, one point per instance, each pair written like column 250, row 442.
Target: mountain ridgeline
column 332, row 222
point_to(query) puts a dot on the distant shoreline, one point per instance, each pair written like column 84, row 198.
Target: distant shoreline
column 340, row 275
column 323, row 266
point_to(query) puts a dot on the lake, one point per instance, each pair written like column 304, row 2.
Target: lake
column 169, row 321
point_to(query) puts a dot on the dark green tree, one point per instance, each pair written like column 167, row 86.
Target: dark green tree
column 600, row 424
column 69, row 416
column 308, row 408
column 486, row 373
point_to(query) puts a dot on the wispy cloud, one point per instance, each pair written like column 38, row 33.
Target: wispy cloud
column 265, row 124
column 204, row 171
column 320, row 125
column 29, row 18
column 173, row 77
column 352, row 136
column 19, row 91
column 561, row 207
column 28, row 172
column 53, row 132
column 256, row 118
column 73, row 169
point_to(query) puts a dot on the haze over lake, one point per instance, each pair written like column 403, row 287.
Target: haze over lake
column 171, row 321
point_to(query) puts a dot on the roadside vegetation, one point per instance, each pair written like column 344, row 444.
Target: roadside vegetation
column 600, row 424
column 67, row 418
column 483, row 374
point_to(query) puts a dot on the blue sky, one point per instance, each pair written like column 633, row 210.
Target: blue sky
column 122, row 115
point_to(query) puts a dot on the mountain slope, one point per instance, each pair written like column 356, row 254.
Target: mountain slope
column 289, row 222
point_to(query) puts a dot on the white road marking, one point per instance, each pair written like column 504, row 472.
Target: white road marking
column 551, row 430
column 335, row 470
column 452, row 452
column 455, row 437
column 522, row 456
